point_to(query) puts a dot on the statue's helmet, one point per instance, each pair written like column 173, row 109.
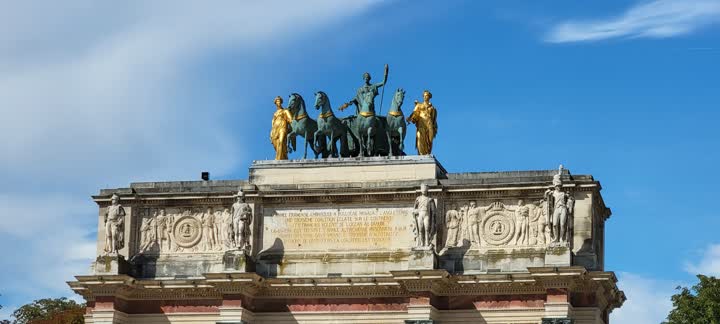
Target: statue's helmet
column 366, row 76
column 240, row 194
column 115, row 197
column 557, row 181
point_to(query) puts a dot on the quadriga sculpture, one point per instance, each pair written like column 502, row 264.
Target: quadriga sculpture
column 330, row 127
column 396, row 126
column 304, row 126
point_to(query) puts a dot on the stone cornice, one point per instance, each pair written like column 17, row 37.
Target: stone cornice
column 397, row 284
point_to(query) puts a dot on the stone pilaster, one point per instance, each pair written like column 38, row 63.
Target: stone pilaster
column 420, row 311
column 105, row 311
column 558, row 304
column 234, row 310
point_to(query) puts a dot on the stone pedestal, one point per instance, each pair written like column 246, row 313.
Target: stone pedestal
column 558, row 255
column 345, row 170
column 422, row 258
column 237, row 261
column 111, row 265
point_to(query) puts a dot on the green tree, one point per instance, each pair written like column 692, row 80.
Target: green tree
column 697, row 305
column 50, row 310
column 4, row 321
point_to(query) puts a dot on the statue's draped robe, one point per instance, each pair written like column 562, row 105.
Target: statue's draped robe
column 278, row 134
column 424, row 116
column 360, row 95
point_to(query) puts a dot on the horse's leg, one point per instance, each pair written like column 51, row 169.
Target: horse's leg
column 362, row 144
column 344, row 149
column 315, row 139
column 390, row 143
column 401, row 132
column 371, row 141
column 332, row 144
column 307, row 138
column 290, row 138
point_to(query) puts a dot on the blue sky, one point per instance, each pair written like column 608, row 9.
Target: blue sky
column 98, row 95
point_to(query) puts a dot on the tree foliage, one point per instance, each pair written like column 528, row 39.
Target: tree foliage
column 50, row 310
column 697, row 305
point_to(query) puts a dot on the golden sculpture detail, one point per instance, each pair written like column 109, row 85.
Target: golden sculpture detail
column 280, row 129
column 424, row 116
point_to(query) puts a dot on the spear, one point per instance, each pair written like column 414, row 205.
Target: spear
column 382, row 93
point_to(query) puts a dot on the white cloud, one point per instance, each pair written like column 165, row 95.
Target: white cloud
column 648, row 300
column 96, row 94
column 654, row 19
column 709, row 264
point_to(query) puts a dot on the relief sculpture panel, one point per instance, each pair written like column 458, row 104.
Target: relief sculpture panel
column 195, row 229
column 497, row 224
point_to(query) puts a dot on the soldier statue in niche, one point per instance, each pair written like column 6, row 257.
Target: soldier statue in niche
column 424, row 214
column 560, row 204
column 114, row 226
column 242, row 214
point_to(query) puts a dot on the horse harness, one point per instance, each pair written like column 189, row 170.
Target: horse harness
column 326, row 115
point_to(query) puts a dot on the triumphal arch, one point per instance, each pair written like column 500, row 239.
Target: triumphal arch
column 364, row 233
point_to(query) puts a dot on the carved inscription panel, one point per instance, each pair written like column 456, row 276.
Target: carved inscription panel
column 365, row 229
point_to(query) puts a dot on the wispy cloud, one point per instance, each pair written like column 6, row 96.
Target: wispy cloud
column 654, row 19
column 648, row 299
column 96, row 94
column 709, row 263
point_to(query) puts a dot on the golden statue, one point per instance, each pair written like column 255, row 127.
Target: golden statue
column 280, row 129
column 424, row 116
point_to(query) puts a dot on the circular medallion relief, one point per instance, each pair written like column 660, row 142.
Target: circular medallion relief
column 187, row 231
column 498, row 229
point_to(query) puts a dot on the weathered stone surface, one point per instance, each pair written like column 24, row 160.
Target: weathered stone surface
column 341, row 235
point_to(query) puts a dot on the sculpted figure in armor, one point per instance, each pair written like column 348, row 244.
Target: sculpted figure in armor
column 242, row 214
column 114, row 226
column 562, row 203
column 424, row 214
column 474, row 215
column 543, row 230
column 148, row 231
column 366, row 93
column 169, row 225
column 163, row 231
column 424, row 116
column 453, row 220
column 208, row 229
column 522, row 221
column 227, row 228
column 219, row 234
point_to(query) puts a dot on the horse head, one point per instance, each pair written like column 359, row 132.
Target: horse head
column 296, row 104
column 321, row 100
column 398, row 99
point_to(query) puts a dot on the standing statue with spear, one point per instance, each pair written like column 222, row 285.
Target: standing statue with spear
column 366, row 123
column 365, row 88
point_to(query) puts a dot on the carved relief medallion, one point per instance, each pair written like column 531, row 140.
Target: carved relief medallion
column 498, row 228
column 187, row 231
